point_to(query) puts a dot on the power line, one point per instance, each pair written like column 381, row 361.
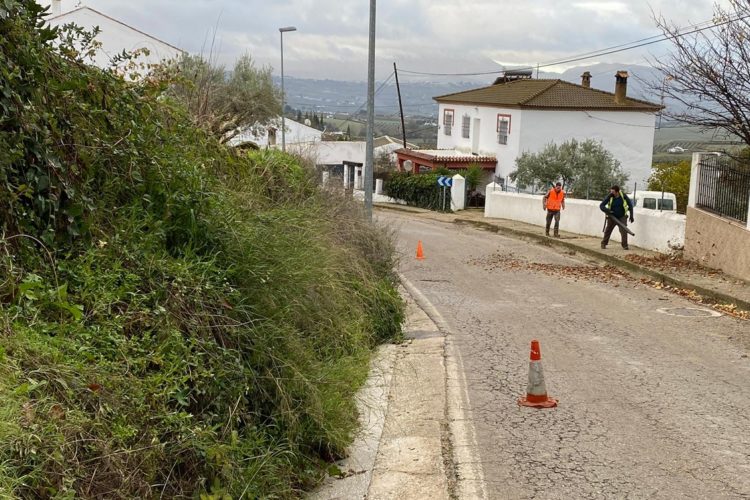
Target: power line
column 602, row 52
column 351, row 115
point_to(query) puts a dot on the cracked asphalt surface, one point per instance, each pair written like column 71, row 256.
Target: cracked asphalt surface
column 652, row 405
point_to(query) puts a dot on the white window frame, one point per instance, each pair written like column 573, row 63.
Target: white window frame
column 503, row 122
column 448, row 115
column 466, row 127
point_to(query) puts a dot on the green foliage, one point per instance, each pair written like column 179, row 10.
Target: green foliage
column 419, row 190
column 473, row 176
column 176, row 319
column 221, row 101
column 585, row 168
column 673, row 178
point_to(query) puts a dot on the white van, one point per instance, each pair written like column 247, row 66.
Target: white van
column 655, row 200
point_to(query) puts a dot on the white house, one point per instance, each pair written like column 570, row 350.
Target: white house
column 270, row 135
column 518, row 114
column 115, row 36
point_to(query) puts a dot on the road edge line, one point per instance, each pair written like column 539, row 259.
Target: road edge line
column 458, row 412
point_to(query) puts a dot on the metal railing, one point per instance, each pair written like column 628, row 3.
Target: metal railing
column 723, row 187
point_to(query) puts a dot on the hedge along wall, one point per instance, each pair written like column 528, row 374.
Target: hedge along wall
column 419, row 190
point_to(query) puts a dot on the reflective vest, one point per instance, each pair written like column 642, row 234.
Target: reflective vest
column 555, row 199
column 624, row 203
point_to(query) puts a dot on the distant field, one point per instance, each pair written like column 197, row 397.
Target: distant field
column 691, row 139
column 416, row 133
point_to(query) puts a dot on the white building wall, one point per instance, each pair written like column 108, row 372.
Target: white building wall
column 116, row 37
column 629, row 136
column 505, row 153
column 654, row 230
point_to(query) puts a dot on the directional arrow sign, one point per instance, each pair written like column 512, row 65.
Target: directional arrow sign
column 445, row 181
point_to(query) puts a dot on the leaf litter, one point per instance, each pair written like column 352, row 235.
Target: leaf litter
column 613, row 274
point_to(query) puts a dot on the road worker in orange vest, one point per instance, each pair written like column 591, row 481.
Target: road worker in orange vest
column 553, row 202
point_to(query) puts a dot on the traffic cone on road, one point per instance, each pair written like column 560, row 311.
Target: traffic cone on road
column 536, row 392
column 420, row 252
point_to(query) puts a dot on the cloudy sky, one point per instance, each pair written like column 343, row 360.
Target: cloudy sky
column 438, row 36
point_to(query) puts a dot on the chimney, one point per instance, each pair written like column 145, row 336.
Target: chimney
column 586, row 80
column 621, row 86
column 56, row 8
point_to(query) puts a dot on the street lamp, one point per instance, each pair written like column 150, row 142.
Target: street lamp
column 283, row 122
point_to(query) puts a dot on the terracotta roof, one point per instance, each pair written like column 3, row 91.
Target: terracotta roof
column 445, row 155
column 546, row 94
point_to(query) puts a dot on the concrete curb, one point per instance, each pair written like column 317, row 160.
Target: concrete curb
column 712, row 296
column 466, row 478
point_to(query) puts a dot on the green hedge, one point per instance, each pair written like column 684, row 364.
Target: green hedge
column 419, row 190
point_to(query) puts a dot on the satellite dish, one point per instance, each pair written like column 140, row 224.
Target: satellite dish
column 408, row 165
column 308, row 122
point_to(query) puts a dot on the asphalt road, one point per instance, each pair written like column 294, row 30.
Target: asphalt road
column 653, row 389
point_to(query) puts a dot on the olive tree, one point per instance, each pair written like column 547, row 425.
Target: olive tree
column 585, row 168
column 225, row 101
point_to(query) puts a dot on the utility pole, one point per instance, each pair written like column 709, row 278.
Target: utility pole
column 370, row 115
column 283, row 121
column 400, row 106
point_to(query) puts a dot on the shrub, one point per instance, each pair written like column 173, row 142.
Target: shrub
column 673, row 178
column 177, row 319
column 585, row 168
column 419, row 190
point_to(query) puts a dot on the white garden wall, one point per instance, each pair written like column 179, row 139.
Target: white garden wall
column 659, row 231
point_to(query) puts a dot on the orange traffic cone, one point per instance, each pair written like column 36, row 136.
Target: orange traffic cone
column 536, row 392
column 420, row 252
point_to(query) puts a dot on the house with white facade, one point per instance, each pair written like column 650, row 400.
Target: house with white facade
column 269, row 135
column 115, row 36
column 518, row 114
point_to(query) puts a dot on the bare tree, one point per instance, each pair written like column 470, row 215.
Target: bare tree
column 708, row 71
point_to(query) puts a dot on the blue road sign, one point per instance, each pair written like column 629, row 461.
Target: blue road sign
column 445, row 181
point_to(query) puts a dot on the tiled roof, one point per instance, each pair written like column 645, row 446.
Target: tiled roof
column 445, row 155
column 546, row 94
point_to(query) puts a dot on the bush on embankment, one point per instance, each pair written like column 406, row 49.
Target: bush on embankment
column 176, row 319
column 418, row 190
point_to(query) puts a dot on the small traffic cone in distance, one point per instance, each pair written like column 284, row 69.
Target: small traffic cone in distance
column 420, row 252
column 536, row 392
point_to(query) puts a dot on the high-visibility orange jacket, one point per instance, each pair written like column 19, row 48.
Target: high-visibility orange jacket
column 555, row 199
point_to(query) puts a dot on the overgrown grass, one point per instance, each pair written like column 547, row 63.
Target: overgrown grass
column 177, row 320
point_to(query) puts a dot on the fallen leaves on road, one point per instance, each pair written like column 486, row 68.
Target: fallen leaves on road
column 604, row 274
column 672, row 263
column 693, row 296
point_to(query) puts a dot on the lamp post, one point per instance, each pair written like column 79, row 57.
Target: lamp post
column 283, row 122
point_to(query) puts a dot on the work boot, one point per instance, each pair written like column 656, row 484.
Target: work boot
column 557, row 235
column 546, row 233
column 604, row 245
column 625, row 247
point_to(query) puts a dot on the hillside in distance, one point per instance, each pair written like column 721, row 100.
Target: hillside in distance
column 337, row 96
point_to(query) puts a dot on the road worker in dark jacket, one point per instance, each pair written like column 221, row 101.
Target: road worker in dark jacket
column 617, row 205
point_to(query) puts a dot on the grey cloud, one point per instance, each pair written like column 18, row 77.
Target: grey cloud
column 425, row 35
